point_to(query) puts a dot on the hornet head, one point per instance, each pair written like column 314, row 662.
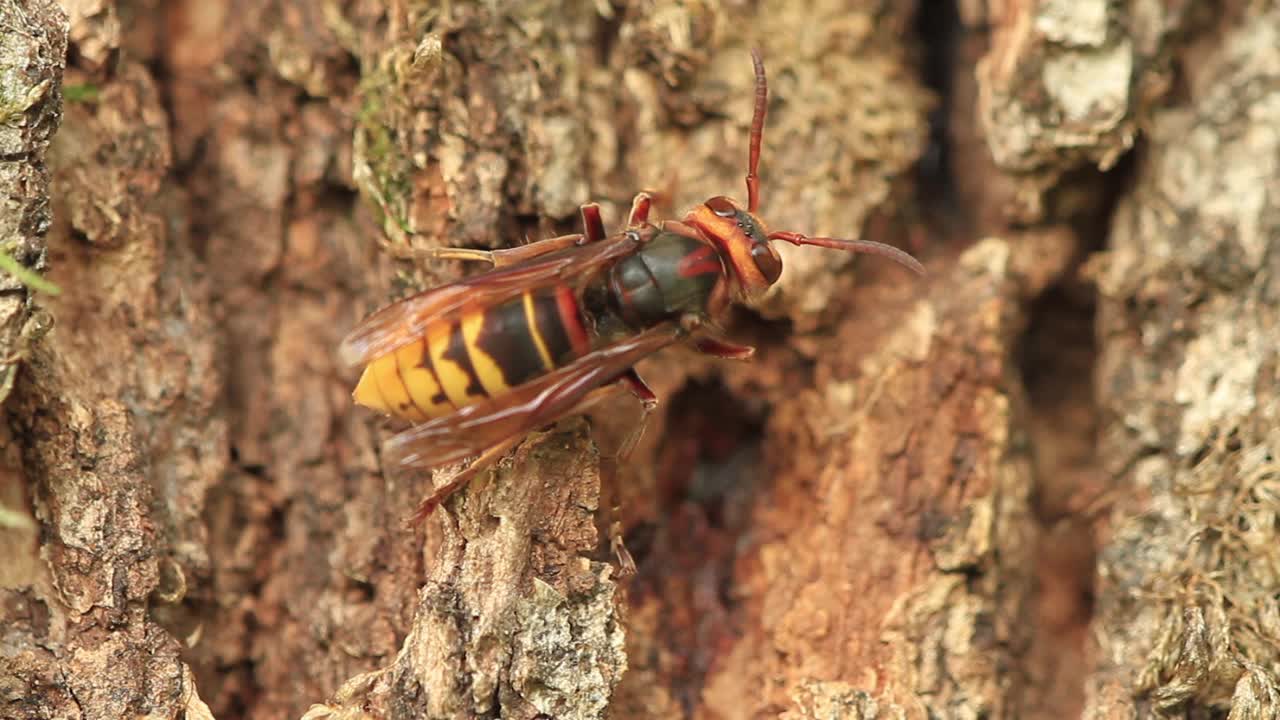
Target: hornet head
column 741, row 236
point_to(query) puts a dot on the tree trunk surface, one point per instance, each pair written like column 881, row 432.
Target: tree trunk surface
column 1041, row 482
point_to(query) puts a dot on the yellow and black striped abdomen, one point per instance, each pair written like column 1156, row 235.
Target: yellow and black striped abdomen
column 482, row 355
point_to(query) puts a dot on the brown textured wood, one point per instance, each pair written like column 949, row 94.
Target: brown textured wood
column 902, row 506
column 896, row 530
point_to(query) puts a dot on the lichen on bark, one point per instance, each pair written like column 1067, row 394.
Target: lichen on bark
column 1187, row 613
column 32, row 56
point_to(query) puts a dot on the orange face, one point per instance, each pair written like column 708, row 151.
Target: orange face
column 740, row 236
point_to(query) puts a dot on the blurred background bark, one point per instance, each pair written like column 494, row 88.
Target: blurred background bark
column 1041, row 483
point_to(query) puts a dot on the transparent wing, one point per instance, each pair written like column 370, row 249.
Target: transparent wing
column 405, row 321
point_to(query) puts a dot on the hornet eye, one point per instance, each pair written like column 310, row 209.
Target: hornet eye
column 767, row 261
column 722, row 206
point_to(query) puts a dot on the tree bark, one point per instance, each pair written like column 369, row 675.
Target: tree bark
column 1040, row 483
column 1188, row 614
column 32, row 57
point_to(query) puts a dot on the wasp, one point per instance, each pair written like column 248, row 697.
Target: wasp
column 558, row 324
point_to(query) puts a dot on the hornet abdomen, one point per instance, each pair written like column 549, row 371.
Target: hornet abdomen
column 483, row 354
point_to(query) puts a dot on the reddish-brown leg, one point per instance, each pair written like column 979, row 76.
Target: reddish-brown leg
column 632, row 381
column 592, row 225
column 636, row 385
column 640, row 206
column 648, row 402
column 506, row 256
column 610, row 497
column 442, row 493
column 593, row 231
column 721, row 348
column 679, row 228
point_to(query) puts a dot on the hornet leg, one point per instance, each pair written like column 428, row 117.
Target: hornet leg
column 721, row 348
column 639, row 209
column 592, row 224
column 504, row 256
column 485, row 460
column 649, row 401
